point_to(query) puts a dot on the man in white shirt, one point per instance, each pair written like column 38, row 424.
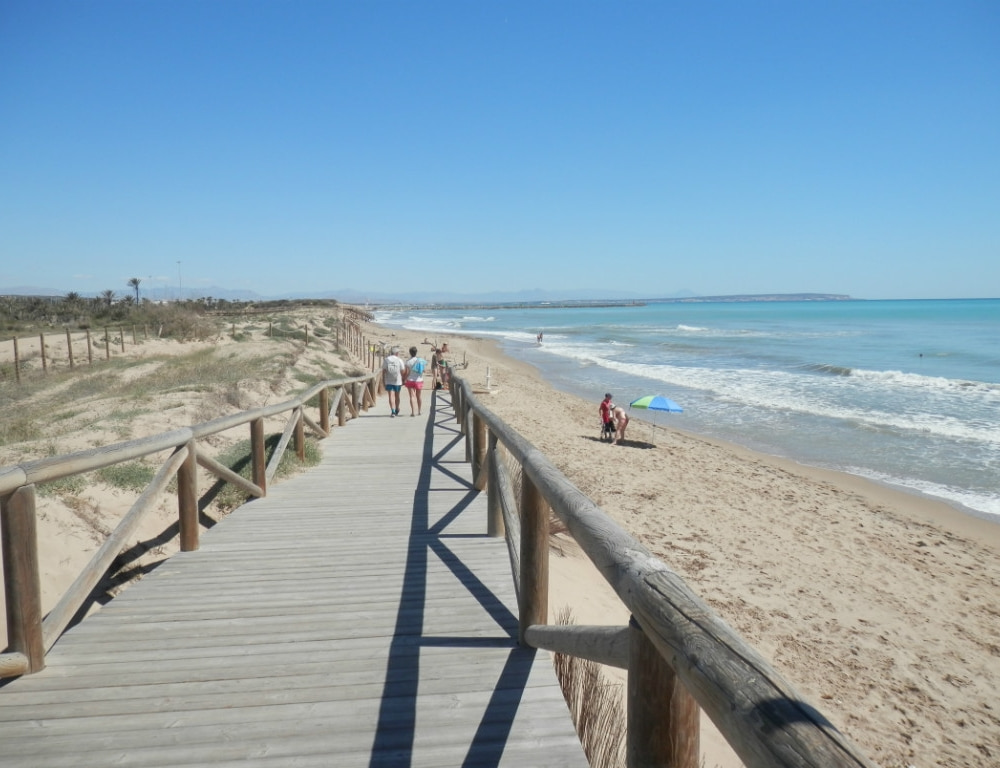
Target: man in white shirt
column 392, row 377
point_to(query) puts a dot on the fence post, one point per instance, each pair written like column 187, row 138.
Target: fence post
column 121, row 336
column 342, row 407
column 478, row 452
column 69, row 348
column 45, row 365
column 22, row 582
column 107, row 343
column 300, row 437
column 257, row 454
column 534, row 597
column 324, row 409
column 187, row 499
column 90, row 350
column 17, row 362
column 494, row 514
column 134, row 340
column 663, row 718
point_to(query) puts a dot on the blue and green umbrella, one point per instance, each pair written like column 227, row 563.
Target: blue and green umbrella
column 656, row 403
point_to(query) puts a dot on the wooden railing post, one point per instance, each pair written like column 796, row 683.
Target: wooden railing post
column 187, row 499
column 342, row 407
column 478, row 453
column 494, row 512
column 257, row 454
column 300, row 437
column 534, row 596
column 324, row 409
column 69, row 348
column 663, row 717
column 22, row 581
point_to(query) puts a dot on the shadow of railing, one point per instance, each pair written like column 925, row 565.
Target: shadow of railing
column 396, row 730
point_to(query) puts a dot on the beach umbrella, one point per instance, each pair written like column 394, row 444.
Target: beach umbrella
column 656, row 403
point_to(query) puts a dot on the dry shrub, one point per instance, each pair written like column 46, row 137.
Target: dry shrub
column 595, row 704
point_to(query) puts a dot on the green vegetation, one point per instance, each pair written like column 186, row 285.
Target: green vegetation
column 130, row 476
column 67, row 486
column 237, row 458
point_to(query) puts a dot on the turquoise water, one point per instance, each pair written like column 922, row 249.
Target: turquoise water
column 903, row 392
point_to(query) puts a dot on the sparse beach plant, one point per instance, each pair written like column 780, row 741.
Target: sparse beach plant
column 595, row 704
column 237, row 458
column 129, row 476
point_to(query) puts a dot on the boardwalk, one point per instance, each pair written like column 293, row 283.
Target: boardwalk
column 357, row 616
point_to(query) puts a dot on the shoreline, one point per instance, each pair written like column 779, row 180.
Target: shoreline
column 877, row 604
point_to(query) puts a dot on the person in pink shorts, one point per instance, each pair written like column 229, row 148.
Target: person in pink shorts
column 415, row 381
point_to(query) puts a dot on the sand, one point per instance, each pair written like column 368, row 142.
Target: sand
column 881, row 607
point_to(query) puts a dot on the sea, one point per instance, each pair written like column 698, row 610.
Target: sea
column 906, row 393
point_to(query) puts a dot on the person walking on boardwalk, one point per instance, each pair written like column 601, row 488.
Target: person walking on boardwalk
column 392, row 377
column 415, row 381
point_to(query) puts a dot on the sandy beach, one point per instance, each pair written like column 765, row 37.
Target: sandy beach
column 881, row 607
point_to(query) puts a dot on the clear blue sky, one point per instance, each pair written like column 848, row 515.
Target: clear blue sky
column 721, row 147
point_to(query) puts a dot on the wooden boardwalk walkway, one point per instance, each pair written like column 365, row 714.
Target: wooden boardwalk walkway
column 357, row 616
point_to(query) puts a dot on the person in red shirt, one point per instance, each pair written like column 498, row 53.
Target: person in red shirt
column 607, row 421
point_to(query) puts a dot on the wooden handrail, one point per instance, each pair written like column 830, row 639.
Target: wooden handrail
column 765, row 720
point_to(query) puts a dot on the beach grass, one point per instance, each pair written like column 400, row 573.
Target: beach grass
column 238, row 458
column 595, row 703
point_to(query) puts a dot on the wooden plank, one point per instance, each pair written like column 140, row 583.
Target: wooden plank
column 283, row 640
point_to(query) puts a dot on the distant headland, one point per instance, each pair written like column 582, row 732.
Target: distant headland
column 569, row 303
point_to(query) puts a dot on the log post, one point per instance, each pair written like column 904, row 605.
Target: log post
column 69, row 348
column 478, row 453
column 187, row 499
column 107, row 343
column 300, row 436
column 121, row 337
column 135, row 341
column 494, row 512
column 467, row 430
column 324, row 409
column 257, row 459
column 90, row 350
column 663, row 718
column 305, row 335
column 342, row 407
column 534, row 596
column 17, row 362
column 41, row 340
column 22, row 582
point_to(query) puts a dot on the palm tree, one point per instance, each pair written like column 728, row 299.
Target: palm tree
column 108, row 297
column 134, row 282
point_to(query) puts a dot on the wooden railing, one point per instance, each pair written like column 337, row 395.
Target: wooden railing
column 29, row 635
column 678, row 652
